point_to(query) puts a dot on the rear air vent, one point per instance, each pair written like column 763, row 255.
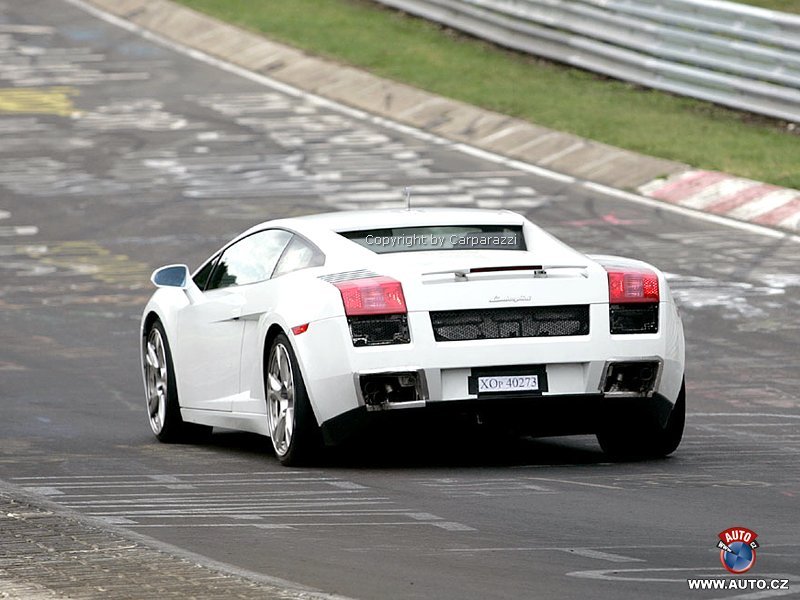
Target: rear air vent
column 347, row 276
column 634, row 318
column 379, row 330
column 501, row 323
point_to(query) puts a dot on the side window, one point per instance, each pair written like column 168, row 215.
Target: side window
column 249, row 260
column 201, row 277
column 299, row 254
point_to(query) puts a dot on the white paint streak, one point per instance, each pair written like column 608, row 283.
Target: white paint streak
column 27, row 29
column 600, row 555
column 43, row 490
column 451, row 526
column 581, row 483
column 18, row 230
column 636, row 574
column 744, row 414
column 268, row 502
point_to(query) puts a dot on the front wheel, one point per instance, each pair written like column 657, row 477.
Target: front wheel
column 163, row 409
column 292, row 427
column 647, row 439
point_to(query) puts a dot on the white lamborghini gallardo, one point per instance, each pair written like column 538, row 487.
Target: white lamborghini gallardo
column 305, row 329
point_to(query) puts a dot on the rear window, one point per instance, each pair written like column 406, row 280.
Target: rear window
column 443, row 237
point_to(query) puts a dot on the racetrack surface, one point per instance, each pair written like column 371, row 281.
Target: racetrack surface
column 118, row 155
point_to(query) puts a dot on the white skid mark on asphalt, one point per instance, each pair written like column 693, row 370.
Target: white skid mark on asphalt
column 583, row 483
column 747, row 415
column 499, row 487
column 446, row 525
column 117, row 520
column 27, row 29
column 18, row 230
column 278, row 500
column 422, row 135
column 600, row 555
column 450, row 526
column 620, row 574
column 347, row 485
column 44, row 491
column 562, row 548
column 282, row 473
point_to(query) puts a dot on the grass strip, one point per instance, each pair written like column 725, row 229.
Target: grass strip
column 792, row 6
column 397, row 46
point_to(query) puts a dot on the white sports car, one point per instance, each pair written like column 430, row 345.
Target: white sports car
column 306, row 329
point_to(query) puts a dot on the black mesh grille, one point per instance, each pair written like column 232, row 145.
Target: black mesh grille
column 379, row 329
column 499, row 323
column 634, row 318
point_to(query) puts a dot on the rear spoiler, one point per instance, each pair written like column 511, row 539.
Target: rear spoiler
column 538, row 270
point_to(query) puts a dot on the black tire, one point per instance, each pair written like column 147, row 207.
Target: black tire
column 161, row 393
column 646, row 438
column 304, row 438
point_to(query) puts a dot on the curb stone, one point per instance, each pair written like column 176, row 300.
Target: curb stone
column 664, row 180
column 729, row 196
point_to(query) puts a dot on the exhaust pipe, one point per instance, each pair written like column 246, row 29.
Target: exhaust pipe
column 384, row 388
column 628, row 378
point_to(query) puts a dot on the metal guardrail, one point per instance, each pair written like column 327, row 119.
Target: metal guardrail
column 730, row 54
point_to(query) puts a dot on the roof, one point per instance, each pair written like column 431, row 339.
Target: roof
column 397, row 217
column 323, row 229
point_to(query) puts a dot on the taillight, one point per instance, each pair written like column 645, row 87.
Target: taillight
column 376, row 311
column 372, row 296
column 633, row 298
column 626, row 285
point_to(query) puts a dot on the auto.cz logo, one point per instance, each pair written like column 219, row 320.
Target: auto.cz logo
column 737, row 549
column 737, row 553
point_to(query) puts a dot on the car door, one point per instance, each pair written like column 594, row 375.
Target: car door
column 210, row 331
column 298, row 254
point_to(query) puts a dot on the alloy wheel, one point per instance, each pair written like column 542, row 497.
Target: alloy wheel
column 156, row 379
column 280, row 399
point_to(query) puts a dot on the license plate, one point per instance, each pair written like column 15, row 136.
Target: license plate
column 508, row 383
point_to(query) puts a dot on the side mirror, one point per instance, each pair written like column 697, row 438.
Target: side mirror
column 171, row 276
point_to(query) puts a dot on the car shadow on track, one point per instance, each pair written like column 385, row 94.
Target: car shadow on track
column 466, row 449
column 402, row 449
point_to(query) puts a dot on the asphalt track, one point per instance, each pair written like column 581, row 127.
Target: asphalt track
column 118, row 155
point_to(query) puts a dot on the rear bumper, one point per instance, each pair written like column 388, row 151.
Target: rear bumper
column 575, row 366
column 537, row 416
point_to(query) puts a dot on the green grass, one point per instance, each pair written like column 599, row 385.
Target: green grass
column 423, row 54
column 792, row 6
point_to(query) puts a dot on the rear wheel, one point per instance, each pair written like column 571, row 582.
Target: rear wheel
column 648, row 438
column 292, row 427
column 163, row 410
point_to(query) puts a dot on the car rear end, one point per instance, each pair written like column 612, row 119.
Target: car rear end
column 539, row 336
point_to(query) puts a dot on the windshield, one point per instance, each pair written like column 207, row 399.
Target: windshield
column 440, row 237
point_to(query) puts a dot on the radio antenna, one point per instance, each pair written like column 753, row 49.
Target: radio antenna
column 407, row 192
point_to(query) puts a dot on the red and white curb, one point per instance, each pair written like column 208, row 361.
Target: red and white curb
column 734, row 197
